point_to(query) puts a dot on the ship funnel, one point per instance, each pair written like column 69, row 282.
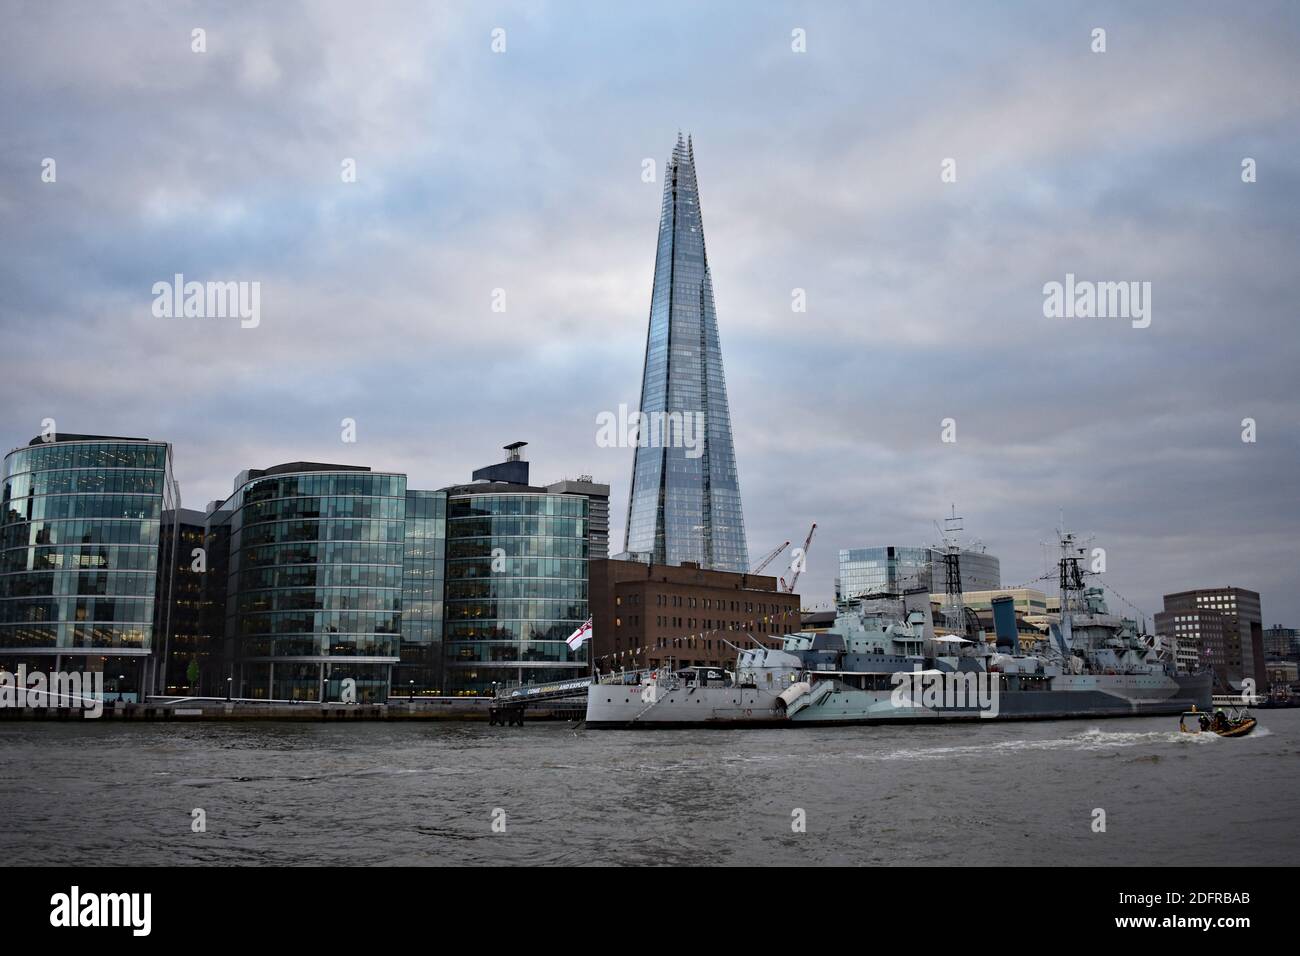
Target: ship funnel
column 1004, row 623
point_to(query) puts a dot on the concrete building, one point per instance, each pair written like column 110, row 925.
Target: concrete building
column 1194, row 636
column 1283, row 677
column 1236, row 655
column 645, row 615
column 1028, row 601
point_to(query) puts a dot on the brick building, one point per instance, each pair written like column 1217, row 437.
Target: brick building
column 643, row 615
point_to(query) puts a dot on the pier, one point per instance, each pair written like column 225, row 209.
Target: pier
column 163, row 709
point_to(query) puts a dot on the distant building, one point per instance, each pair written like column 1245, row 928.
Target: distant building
column 1281, row 643
column 895, row 569
column 645, row 615
column 1282, row 677
column 1239, row 653
column 1194, row 636
column 1027, row 600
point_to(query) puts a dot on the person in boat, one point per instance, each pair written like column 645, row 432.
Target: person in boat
column 1205, row 721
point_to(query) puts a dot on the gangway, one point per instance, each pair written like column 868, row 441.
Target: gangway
column 545, row 691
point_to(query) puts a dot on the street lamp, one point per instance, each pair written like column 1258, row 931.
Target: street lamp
column 120, row 678
column 412, row 683
column 229, row 682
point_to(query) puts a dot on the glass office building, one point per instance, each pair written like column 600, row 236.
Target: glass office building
column 314, row 595
column 516, row 585
column 685, row 499
column 185, row 648
column 81, row 583
column 420, row 672
column 890, row 570
column 310, row 578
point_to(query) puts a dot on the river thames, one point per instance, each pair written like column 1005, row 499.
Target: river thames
column 96, row 792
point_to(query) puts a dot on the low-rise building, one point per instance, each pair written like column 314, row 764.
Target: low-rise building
column 647, row 615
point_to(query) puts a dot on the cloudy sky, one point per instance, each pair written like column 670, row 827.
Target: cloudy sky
column 820, row 170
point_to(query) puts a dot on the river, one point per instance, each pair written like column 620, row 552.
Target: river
column 100, row 792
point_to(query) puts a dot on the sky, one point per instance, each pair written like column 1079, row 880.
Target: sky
column 822, row 169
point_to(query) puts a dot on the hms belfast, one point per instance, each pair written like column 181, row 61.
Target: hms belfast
column 884, row 661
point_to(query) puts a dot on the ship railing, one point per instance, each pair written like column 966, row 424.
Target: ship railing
column 1237, row 700
column 638, row 676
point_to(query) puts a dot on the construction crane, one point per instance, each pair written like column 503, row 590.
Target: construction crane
column 800, row 562
column 771, row 556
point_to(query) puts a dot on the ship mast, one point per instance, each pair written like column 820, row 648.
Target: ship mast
column 1071, row 574
column 953, row 601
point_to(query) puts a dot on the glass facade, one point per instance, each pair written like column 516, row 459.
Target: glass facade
column 685, row 501
column 893, row 570
column 185, row 640
column 516, row 586
column 80, row 536
column 315, row 582
column 420, row 672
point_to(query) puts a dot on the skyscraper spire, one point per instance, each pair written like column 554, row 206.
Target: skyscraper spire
column 685, row 498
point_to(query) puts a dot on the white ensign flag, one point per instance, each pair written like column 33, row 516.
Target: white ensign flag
column 577, row 637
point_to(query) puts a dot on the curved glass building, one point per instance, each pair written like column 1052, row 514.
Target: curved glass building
column 80, row 588
column 516, row 584
column 315, row 574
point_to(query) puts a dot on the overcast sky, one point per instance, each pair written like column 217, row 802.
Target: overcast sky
column 819, row 170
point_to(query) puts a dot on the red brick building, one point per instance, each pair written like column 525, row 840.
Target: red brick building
column 643, row 615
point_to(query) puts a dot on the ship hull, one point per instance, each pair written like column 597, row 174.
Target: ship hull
column 1080, row 698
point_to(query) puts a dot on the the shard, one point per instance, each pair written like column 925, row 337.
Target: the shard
column 685, row 499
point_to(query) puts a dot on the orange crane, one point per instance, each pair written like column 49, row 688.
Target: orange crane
column 771, row 556
column 800, row 562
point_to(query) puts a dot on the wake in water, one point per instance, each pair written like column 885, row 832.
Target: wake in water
column 1092, row 739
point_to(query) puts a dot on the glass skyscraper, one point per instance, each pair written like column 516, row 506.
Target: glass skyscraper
column 685, row 499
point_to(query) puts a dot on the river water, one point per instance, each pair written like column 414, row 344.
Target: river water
column 96, row 792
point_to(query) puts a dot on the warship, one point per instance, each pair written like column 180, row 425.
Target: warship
column 884, row 661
